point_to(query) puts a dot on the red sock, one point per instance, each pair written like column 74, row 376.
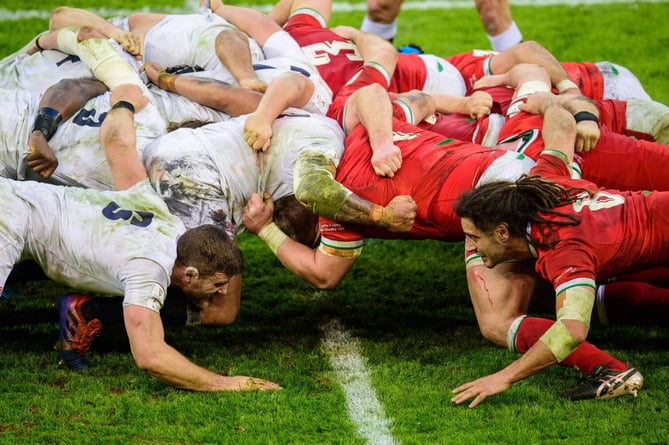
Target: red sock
column 584, row 358
column 632, row 302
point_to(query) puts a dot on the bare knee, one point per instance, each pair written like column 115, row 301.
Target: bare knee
column 495, row 15
column 383, row 11
column 494, row 330
column 86, row 32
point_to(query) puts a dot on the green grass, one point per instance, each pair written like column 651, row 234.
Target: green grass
column 405, row 301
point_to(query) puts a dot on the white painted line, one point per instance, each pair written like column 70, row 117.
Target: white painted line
column 364, row 408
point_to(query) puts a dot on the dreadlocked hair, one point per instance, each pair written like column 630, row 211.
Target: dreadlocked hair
column 518, row 204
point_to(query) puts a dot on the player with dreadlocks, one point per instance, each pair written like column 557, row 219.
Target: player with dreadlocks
column 576, row 233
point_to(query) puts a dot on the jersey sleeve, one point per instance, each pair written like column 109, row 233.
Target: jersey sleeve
column 567, row 265
column 552, row 164
column 145, row 284
column 338, row 241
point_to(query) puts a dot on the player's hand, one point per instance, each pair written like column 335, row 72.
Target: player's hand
column 399, row 214
column 258, row 212
column 386, row 159
column 257, row 132
column 153, row 70
column 480, row 389
column 253, row 84
column 538, row 102
column 492, row 80
column 587, row 135
column 479, row 104
column 347, row 32
column 41, row 157
column 129, row 92
column 131, row 42
column 244, row 383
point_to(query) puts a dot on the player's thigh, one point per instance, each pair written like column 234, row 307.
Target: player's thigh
column 499, row 295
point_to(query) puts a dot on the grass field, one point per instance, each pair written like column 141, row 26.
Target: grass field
column 373, row 361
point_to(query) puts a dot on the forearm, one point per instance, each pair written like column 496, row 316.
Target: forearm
column 158, row 359
column 559, row 130
column 286, row 90
column 254, row 23
column 118, row 140
column 371, row 107
column 530, row 52
column 211, row 93
column 537, row 358
column 322, row 271
column 575, row 104
column 172, row 368
column 317, row 188
column 447, row 104
column 69, row 95
column 66, row 16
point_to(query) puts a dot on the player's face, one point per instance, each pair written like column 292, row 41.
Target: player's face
column 202, row 289
column 486, row 244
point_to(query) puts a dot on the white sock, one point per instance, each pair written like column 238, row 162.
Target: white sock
column 510, row 37
column 513, row 332
column 387, row 31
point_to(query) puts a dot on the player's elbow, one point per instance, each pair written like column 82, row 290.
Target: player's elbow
column 526, row 49
column 58, row 18
column 147, row 362
column 325, row 282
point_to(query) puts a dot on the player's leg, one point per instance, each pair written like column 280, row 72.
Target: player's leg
column 501, row 297
column 500, row 27
column 381, row 18
column 620, row 302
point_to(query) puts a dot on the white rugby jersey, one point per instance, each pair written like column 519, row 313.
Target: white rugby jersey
column 37, row 72
column 114, row 242
column 189, row 39
column 282, row 53
column 76, row 143
column 206, row 175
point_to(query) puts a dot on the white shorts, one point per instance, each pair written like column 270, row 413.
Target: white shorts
column 620, row 83
column 442, row 77
column 508, row 167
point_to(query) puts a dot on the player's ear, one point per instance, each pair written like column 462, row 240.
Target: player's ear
column 502, row 232
column 192, row 272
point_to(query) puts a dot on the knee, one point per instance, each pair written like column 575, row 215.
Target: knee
column 494, row 331
column 495, row 16
column 383, row 11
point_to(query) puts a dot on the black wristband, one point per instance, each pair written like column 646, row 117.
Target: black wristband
column 585, row 116
column 39, row 47
column 47, row 121
column 124, row 104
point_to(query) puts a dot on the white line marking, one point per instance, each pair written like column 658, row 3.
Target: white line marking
column 192, row 6
column 352, row 374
